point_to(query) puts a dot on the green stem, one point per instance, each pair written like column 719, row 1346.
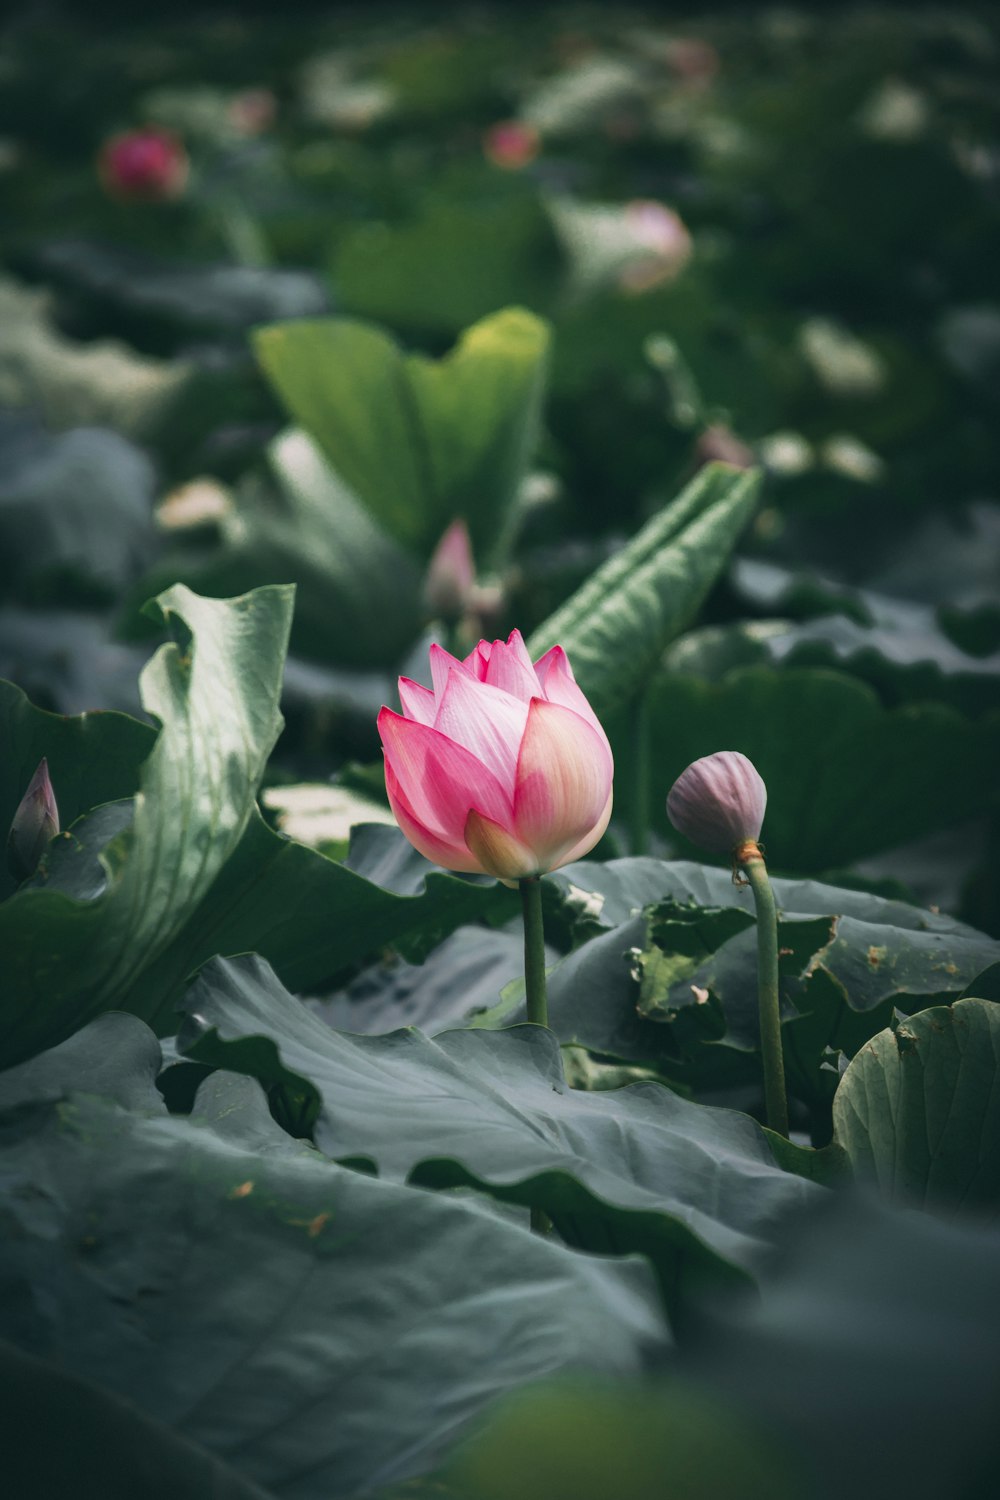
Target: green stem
column 775, row 1101
column 534, row 985
column 534, row 950
column 640, row 772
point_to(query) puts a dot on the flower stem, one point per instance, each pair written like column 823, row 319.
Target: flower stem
column 534, row 950
column 534, row 985
column 751, row 862
column 639, row 842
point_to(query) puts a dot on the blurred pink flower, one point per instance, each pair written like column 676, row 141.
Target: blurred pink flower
column 451, row 574
column 718, row 802
column 150, row 164
column 35, row 822
column 511, row 144
column 502, row 768
column 664, row 235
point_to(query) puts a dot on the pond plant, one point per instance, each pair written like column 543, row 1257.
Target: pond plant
column 499, row 950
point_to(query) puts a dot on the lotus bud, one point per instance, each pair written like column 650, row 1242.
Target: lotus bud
column 718, row 802
column 35, row 823
column 511, row 144
column 451, row 575
column 150, row 165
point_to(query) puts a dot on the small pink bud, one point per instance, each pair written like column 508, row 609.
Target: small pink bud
column 35, row 823
column 451, row 574
column 718, row 802
column 511, row 144
column 148, row 165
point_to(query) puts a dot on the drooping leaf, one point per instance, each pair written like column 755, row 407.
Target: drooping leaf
column 418, row 441
column 919, row 1109
column 616, row 625
column 214, row 688
column 632, row 1169
column 250, row 1297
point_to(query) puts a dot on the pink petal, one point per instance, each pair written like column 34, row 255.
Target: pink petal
column 449, row 854
column 590, row 837
column 559, row 686
column 442, row 663
column 418, row 702
column 564, row 775
column 439, row 780
column 499, row 853
column 478, row 660
column 486, row 721
column 510, row 668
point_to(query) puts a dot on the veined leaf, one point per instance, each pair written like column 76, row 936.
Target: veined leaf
column 919, row 1108
column 214, row 687
column 250, row 1297
column 616, row 625
column 636, row 1168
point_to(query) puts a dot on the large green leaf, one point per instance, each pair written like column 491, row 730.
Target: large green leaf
column 307, row 1325
column 312, row 917
column 846, row 777
column 674, row 983
column 214, row 687
column 616, row 625
column 419, row 441
column 632, row 1169
column 919, row 1108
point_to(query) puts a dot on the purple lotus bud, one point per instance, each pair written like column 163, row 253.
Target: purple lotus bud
column 35, row 823
column 451, row 574
column 718, row 802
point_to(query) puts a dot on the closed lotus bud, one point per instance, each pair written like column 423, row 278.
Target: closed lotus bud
column 149, row 165
column 35, row 823
column 451, row 575
column 718, row 802
column 502, row 767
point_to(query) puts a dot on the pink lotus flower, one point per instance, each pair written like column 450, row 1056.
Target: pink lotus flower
column 718, row 802
column 149, row 164
column 502, row 768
